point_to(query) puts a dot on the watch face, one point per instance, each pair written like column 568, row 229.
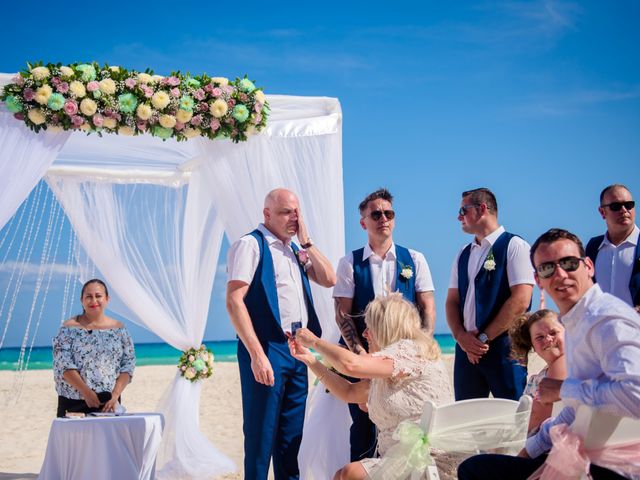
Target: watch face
column 483, row 338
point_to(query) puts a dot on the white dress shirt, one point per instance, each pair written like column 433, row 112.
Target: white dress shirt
column 614, row 265
column 383, row 273
column 519, row 269
column 602, row 348
column 242, row 262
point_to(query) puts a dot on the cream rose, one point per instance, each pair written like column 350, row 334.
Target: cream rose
column 40, row 73
column 167, row 121
column 36, row 116
column 251, row 130
column 43, row 94
column 126, row 131
column 144, row 111
column 218, row 108
column 260, row 96
column 144, row 78
column 110, row 123
column 160, row 100
column 66, row 72
column 183, row 116
column 222, row 81
column 191, row 132
column 77, row 89
column 108, row 86
column 85, row 126
column 88, row 107
column 114, row 68
column 189, row 374
column 156, row 78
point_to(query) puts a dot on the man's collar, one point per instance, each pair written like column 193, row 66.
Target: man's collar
column 368, row 252
column 632, row 238
column 491, row 238
column 270, row 237
column 576, row 313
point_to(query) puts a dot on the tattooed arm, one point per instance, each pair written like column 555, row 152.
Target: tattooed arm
column 346, row 324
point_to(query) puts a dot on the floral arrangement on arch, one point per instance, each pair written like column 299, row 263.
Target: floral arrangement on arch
column 127, row 102
column 196, row 363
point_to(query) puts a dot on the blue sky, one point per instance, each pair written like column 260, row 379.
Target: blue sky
column 539, row 101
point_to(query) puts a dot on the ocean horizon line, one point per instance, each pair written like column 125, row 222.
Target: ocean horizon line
column 155, row 353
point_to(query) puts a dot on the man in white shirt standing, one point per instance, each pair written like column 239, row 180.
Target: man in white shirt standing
column 376, row 269
column 268, row 292
column 491, row 284
column 602, row 348
column 616, row 254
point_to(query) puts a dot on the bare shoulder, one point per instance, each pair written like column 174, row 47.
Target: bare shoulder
column 113, row 323
column 72, row 322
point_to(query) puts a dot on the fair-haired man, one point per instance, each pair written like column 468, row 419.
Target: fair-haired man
column 615, row 254
column 602, row 348
column 267, row 291
column 376, row 269
column 491, row 284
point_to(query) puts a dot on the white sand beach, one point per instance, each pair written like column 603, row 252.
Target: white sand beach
column 24, row 428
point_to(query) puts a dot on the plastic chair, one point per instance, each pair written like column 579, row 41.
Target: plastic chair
column 475, row 413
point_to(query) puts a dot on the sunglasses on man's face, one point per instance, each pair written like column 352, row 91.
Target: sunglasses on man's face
column 617, row 206
column 377, row 215
column 463, row 209
column 568, row 264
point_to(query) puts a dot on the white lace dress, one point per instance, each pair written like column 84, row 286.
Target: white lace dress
column 402, row 397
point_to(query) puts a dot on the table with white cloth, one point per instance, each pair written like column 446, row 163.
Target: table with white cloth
column 120, row 447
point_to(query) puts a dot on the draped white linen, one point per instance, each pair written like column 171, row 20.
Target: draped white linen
column 24, row 158
column 157, row 248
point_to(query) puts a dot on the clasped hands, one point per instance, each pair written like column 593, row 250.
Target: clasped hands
column 473, row 347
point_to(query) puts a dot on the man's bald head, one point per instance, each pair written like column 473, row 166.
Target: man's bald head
column 278, row 196
column 281, row 213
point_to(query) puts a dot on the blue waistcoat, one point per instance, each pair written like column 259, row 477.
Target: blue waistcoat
column 492, row 287
column 634, row 281
column 364, row 286
column 262, row 297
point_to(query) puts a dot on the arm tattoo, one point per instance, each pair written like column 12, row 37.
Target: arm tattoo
column 348, row 330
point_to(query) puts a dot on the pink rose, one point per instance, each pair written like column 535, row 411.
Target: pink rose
column 228, row 89
column 257, row 107
column 175, row 92
column 77, row 121
column 173, row 81
column 203, row 106
column 216, row 92
column 148, row 91
column 98, row 120
column 257, row 119
column 28, row 94
column 199, row 94
column 54, row 119
column 178, row 125
column 93, row 86
column 142, row 125
column 243, row 97
column 63, row 87
column 196, row 120
column 303, row 257
column 215, row 124
column 130, row 82
column 208, row 88
column 70, row 107
column 231, row 103
column 18, row 80
column 55, row 81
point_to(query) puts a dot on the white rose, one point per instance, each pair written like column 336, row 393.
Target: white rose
column 126, row 131
column 144, row 78
column 43, row 94
column 251, row 129
column 222, row 81
column 114, row 69
column 144, row 111
column 40, row 73
column 183, row 116
column 109, row 123
column 260, row 96
column 191, row 132
column 88, row 107
column 167, row 121
column 36, row 116
column 108, row 86
column 490, row 265
column 406, row 272
column 77, row 89
column 156, row 78
column 66, row 72
column 160, row 100
column 189, row 374
column 218, row 108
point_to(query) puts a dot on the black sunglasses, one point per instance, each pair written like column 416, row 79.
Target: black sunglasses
column 377, row 215
column 617, row 206
column 464, row 208
column 568, row 264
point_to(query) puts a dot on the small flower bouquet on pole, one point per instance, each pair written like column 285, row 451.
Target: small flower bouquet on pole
column 196, row 364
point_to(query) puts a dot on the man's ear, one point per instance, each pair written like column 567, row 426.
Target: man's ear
column 601, row 210
column 589, row 266
column 537, row 279
column 266, row 213
column 362, row 224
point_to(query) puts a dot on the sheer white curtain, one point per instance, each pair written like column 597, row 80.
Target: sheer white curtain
column 157, row 248
column 24, row 159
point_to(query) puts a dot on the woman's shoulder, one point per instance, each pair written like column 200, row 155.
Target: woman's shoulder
column 71, row 322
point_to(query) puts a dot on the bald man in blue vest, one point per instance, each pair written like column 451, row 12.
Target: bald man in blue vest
column 378, row 268
column 491, row 284
column 267, row 291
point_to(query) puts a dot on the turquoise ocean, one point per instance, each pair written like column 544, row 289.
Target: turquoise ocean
column 41, row 358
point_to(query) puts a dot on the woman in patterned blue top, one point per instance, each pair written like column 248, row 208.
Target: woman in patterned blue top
column 93, row 356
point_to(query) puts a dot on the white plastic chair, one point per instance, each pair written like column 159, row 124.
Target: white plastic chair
column 473, row 413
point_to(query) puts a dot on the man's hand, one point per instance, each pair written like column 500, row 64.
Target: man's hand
column 262, row 370
column 549, row 390
column 471, row 345
column 303, row 234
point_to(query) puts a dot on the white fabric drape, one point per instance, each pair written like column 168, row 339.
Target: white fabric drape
column 24, row 158
column 157, row 248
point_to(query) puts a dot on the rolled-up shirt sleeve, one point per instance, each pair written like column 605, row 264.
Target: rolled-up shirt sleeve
column 128, row 361
column 243, row 259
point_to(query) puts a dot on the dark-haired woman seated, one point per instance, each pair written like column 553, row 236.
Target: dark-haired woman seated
column 93, row 356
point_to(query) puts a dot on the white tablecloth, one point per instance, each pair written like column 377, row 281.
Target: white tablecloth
column 93, row 448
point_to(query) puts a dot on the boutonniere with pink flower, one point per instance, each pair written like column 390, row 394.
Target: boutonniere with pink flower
column 303, row 257
column 406, row 272
column 490, row 262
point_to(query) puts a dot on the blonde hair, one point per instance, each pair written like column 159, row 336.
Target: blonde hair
column 392, row 318
column 520, row 333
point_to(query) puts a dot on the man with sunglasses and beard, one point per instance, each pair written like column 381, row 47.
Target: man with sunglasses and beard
column 491, row 285
column 615, row 254
column 375, row 270
column 602, row 347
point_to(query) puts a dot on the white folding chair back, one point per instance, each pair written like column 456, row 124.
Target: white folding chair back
column 600, row 429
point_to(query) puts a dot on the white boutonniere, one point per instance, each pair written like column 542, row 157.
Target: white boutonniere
column 406, row 272
column 490, row 262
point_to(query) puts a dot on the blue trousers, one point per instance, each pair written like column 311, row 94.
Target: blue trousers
column 482, row 467
column 273, row 416
column 496, row 373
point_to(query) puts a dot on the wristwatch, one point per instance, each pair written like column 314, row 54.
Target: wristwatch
column 483, row 337
column 308, row 244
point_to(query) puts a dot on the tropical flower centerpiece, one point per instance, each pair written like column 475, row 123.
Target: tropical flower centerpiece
column 111, row 99
column 196, row 364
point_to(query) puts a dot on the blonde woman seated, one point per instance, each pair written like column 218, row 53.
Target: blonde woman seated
column 404, row 368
